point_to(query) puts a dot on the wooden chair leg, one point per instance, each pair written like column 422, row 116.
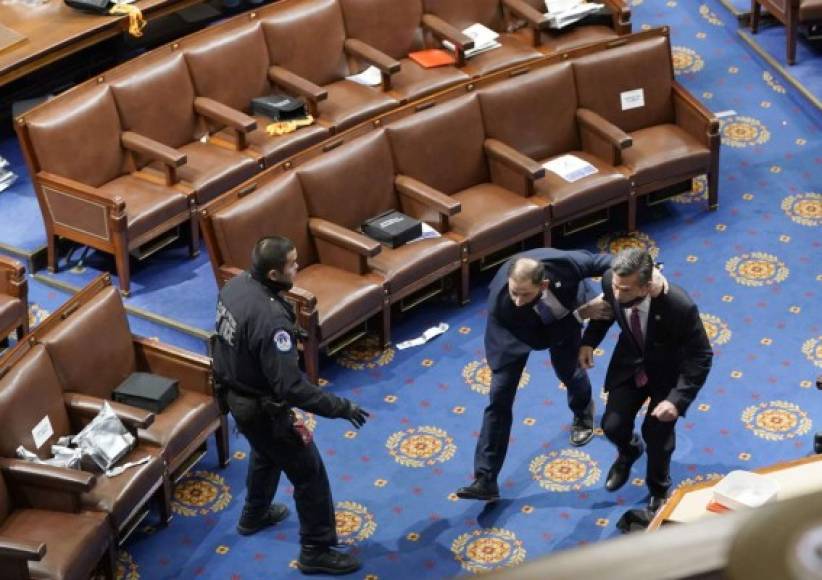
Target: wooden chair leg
column 547, row 236
column 121, row 259
column 52, row 254
column 632, row 202
column 311, row 359
column 194, row 232
column 756, row 13
column 792, row 33
column 221, row 435
column 164, row 500
column 385, row 320
column 464, row 292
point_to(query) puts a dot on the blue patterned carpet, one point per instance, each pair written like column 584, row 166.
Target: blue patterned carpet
column 755, row 269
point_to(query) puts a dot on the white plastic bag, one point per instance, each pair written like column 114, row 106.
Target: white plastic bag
column 105, row 439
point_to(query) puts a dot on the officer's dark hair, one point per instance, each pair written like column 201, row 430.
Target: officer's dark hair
column 524, row 268
column 270, row 253
column 634, row 260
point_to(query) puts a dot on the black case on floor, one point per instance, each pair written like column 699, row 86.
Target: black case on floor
column 147, row 391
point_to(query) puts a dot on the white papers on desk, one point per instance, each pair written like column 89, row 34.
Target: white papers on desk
column 370, row 77
column 424, row 337
column 570, row 167
column 427, row 233
column 561, row 13
column 484, row 39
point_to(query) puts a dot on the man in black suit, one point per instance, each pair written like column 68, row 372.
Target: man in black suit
column 663, row 353
column 536, row 301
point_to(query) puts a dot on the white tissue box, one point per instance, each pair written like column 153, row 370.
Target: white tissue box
column 743, row 489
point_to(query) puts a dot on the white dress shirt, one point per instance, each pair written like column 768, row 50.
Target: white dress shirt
column 644, row 308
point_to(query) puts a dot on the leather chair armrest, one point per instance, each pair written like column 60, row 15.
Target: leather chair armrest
column 302, row 297
column 601, row 137
column 533, row 17
column 622, row 15
column 445, row 31
column 693, row 116
column 507, row 155
column 191, row 370
column 80, row 190
column 343, row 237
column 224, row 114
column 26, row 473
column 226, row 273
column 13, row 549
column 371, row 55
column 87, row 407
column 294, row 83
column 152, row 149
column 427, row 195
column 13, row 278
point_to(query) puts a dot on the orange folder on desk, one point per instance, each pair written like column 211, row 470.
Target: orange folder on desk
column 432, row 58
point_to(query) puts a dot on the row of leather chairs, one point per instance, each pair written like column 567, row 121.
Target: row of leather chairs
column 472, row 167
column 120, row 163
column 57, row 522
column 792, row 15
column 14, row 311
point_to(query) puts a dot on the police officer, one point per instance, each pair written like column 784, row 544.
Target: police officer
column 256, row 363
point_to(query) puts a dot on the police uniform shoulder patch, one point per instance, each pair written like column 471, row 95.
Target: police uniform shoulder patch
column 283, row 340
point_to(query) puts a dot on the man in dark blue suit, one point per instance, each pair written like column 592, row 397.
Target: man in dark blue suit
column 537, row 301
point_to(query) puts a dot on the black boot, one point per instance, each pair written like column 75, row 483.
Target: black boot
column 481, row 489
column 324, row 560
column 276, row 513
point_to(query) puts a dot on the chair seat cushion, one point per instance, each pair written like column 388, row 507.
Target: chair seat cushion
column 212, row 170
column 147, row 204
column 343, row 297
column 12, row 313
column 559, row 40
column 606, row 187
column 514, row 50
column 349, row 103
column 492, row 215
column 124, row 495
column 414, row 81
column 75, row 542
column 664, row 151
column 180, row 424
column 278, row 147
column 409, row 263
column 810, row 10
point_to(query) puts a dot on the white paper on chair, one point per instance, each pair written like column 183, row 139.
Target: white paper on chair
column 561, row 13
column 424, row 337
column 370, row 77
column 41, row 432
column 427, row 233
column 570, row 167
column 484, row 39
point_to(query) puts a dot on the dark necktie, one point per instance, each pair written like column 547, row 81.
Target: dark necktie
column 640, row 378
column 545, row 314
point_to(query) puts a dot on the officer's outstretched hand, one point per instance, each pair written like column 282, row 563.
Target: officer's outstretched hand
column 357, row 415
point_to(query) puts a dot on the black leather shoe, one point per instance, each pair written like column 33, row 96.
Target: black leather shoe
column 323, row 560
column 582, row 430
column 655, row 502
column 276, row 513
column 481, row 489
column 621, row 469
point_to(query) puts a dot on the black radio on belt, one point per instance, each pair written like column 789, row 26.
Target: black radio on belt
column 279, row 107
column 392, row 228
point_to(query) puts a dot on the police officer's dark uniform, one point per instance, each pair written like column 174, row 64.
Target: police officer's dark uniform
column 256, row 361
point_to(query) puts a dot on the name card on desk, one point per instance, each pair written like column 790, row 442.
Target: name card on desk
column 632, row 99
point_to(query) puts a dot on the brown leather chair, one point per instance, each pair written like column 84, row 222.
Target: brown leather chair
column 364, row 168
column 14, row 302
column 396, row 29
column 791, row 13
column 445, row 151
column 674, row 137
column 30, row 390
column 310, row 57
column 40, row 539
column 461, row 14
column 93, row 351
column 156, row 100
column 231, row 67
column 86, row 182
column 517, row 113
column 530, row 24
column 334, row 291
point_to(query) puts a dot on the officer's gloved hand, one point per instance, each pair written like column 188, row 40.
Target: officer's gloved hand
column 356, row 414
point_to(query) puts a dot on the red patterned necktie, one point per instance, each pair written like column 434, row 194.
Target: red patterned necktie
column 640, row 378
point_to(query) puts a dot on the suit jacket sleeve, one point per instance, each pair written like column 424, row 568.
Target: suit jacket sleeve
column 597, row 329
column 590, row 265
column 697, row 357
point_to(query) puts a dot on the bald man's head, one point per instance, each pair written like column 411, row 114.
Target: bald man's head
column 526, row 280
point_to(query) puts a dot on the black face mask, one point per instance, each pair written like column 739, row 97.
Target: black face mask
column 632, row 303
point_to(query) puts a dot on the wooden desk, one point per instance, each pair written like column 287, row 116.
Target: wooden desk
column 795, row 478
column 52, row 31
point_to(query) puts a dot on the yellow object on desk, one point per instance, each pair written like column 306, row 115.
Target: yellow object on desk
column 136, row 22
column 283, row 127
